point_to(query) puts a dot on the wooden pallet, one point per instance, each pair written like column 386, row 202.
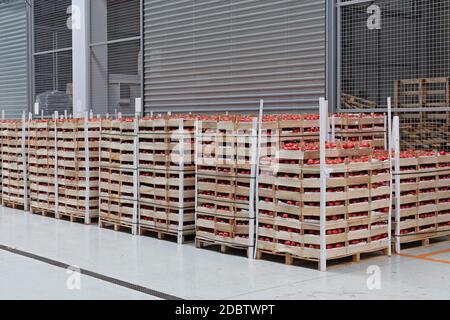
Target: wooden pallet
column 115, row 225
column 423, row 240
column 77, row 219
column 43, row 212
column 12, row 204
column 290, row 259
column 422, row 93
column 187, row 236
column 223, row 247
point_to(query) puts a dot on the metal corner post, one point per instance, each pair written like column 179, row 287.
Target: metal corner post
column 323, row 183
column 388, row 144
column 181, row 145
column 396, row 142
column 87, row 213
column 258, row 163
column 254, row 153
column 136, row 212
column 25, row 126
column 55, row 176
column 196, row 151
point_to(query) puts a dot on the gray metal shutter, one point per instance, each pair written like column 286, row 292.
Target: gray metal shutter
column 207, row 55
column 14, row 58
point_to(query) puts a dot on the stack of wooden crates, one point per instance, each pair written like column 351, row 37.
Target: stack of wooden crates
column 41, row 166
column 361, row 127
column 78, row 169
column 357, row 197
column 119, row 174
column 226, row 178
column 14, row 164
column 423, row 198
column 167, row 176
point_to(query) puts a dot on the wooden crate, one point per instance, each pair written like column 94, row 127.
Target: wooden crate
column 360, row 127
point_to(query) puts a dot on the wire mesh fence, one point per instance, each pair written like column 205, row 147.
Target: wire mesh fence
column 388, row 44
column 398, row 49
column 425, row 130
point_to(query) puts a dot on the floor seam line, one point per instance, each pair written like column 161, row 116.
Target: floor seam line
column 92, row 274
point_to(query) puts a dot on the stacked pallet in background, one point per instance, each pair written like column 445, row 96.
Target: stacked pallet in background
column 167, row 176
column 362, row 127
column 352, row 102
column 425, row 130
column 423, row 196
column 226, row 174
column 13, row 155
column 357, row 198
column 41, row 166
column 78, row 169
column 119, row 174
column 422, row 93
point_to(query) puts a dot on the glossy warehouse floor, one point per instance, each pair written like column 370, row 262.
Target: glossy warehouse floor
column 34, row 251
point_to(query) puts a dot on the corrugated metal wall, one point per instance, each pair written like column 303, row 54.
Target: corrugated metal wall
column 207, row 55
column 14, row 62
